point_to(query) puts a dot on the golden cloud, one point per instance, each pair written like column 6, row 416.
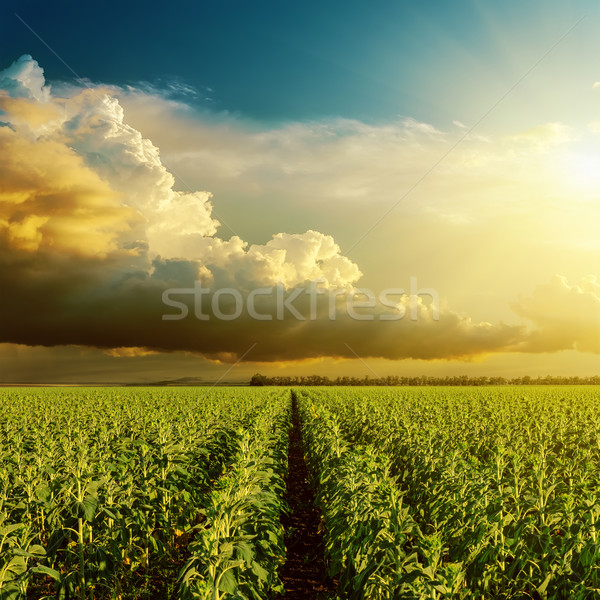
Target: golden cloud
column 50, row 200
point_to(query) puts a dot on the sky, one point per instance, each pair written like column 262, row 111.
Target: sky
column 218, row 189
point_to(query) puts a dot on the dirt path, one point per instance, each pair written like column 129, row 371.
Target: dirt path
column 304, row 574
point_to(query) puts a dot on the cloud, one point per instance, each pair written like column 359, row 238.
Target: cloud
column 95, row 129
column 87, row 304
column 51, row 201
column 80, row 148
column 25, row 78
column 546, row 136
column 565, row 316
column 338, row 164
column 93, row 232
column 129, row 352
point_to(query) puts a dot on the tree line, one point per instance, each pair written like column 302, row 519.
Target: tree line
column 393, row 380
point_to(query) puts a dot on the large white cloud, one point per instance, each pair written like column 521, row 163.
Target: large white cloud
column 89, row 124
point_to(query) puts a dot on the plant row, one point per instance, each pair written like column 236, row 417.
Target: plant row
column 239, row 547
column 506, row 483
column 374, row 547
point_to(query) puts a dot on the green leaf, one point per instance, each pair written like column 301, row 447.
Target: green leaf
column 32, row 552
column 43, row 570
column 15, row 567
column 260, row 572
column 43, row 494
column 10, row 591
column 228, row 582
column 245, row 551
column 542, row 588
column 89, row 506
column 4, row 531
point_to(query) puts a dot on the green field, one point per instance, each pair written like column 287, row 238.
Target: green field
column 475, row 493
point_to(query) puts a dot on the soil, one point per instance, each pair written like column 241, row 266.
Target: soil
column 304, row 574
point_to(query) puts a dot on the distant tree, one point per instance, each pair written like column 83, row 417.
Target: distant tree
column 289, row 381
column 258, row 379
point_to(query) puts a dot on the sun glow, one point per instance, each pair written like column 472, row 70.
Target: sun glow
column 582, row 169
